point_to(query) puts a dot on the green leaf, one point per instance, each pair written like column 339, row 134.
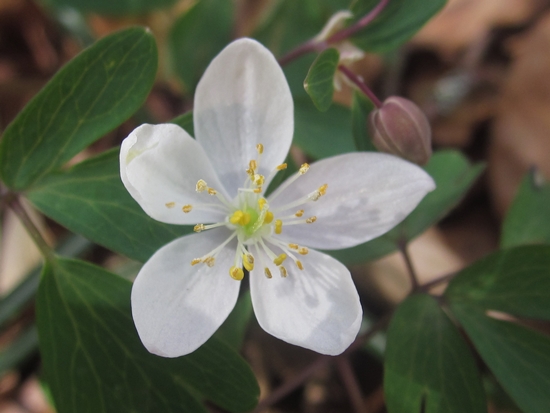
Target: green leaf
column 185, row 121
column 319, row 82
column 91, row 200
column 399, row 21
column 94, row 361
column 453, row 176
column 514, row 281
column 321, row 135
column 528, row 219
column 110, row 7
column 360, row 109
column 198, row 36
column 518, row 357
column 428, row 363
column 234, row 327
column 91, row 95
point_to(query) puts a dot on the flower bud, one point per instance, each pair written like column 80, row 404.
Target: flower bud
column 399, row 127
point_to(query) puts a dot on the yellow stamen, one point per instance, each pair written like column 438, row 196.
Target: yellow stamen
column 262, row 202
column 304, row 168
column 293, row 246
column 258, row 179
column 257, row 190
column 201, row 186
column 311, row 220
column 196, row 261
column 303, row 251
column 299, row 213
column 187, row 208
column 267, row 272
column 268, row 217
column 212, row 191
column 240, row 218
column 198, row 228
column 299, row 264
column 281, row 167
column 170, row 204
column 210, row 261
column 278, row 226
column 252, row 165
column 280, row 259
column 323, row 189
column 236, row 273
column 284, row 273
column 248, row 262
column 260, row 148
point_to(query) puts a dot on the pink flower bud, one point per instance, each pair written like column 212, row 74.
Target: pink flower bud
column 399, row 127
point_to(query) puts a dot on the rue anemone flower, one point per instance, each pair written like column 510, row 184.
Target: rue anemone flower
column 244, row 121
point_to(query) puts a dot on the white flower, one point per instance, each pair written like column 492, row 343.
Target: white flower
column 243, row 118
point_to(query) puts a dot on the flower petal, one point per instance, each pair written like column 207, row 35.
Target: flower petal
column 317, row 308
column 160, row 166
column 177, row 307
column 367, row 195
column 243, row 99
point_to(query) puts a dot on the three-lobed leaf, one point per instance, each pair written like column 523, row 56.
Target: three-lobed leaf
column 396, row 24
column 453, row 176
column 94, row 361
column 319, row 82
column 91, row 200
column 92, row 94
column 528, row 219
column 428, row 363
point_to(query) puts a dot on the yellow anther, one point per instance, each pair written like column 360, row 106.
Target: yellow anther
column 267, row 272
column 281, row 166
column 212, row 191
column 248, row 262
column 201, row 186
column 252, row 165
column 260, row 148
column 299, row 213
column 258, row 179
column 210, row 261
column 198, row 228
column 293, row 246
column 187, row 208
column 284, row 273
column 236, row 273
column 311, row 220
column 240, row 218
column 323, row 189
column 299, row 264
column 262, row 202
column 170, row 204
column 280, row 259
column 257, row 190
column 268, row 217
column 304, row 168
column 196, row 261
column 278, row 226
column 303, row 250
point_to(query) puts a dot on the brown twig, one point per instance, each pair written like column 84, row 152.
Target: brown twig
column 350, row 382
column 410, row 268
column 357, row 81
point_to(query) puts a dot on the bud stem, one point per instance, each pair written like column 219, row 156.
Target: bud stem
column 360, row 84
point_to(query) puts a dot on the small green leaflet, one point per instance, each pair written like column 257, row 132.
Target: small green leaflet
column 94, row 361
column 319, row 82
column 94, row 93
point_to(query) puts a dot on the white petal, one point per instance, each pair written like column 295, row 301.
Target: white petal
column 160, row 165
column 317, row 308
column 367, row 195
column 243, row 99
column 177, row 307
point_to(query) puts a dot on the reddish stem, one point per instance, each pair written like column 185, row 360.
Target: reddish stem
column 357, row 81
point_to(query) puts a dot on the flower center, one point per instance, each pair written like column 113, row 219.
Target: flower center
column 253, row 224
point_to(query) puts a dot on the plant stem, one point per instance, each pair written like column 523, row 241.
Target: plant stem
column 352, row 386
column 318, row 364
column 361, row 24
column 447, row 277
column 32, row 229
column 319, row 45
column 410, row 268
column 357, row 81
